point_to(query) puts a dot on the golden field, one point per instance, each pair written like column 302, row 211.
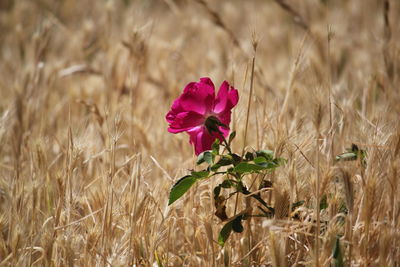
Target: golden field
column 86, row 162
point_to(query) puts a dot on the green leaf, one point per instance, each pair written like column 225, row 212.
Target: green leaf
column 347, row 156
column 215, row 147
column 217, row 191
column 268, row 154
column 237, row 224
column 323, row 204
column 260, row 160
column 158, row 260
column 206, row 156
column 268, row 163
column 268, row 214
column 231, row 137
column 249, row 156
column 337, row 256
column 354, row 148
column 200, row 174
column 226, row 184
column 224, row 233
column 242, row 188
column 353, row 153
column 244, row 167
column 180, row 188
column 215, row 167
column 236, row 158
column 224, row 161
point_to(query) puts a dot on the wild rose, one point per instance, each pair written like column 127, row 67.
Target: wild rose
column 201, row 114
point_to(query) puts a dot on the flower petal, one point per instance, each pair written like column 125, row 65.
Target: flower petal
column 190, row 111
column 183, row 121
column 224, row 131
column 201, row 139
column 198, row 97
column 226, row 99
column 225, row 117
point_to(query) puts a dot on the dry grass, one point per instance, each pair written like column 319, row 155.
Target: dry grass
column 86, row 162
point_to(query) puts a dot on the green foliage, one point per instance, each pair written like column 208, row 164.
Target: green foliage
column 158, row 260
column 268, row 154
column 223, row 161
column 347, row 156
column 215, row 147
column 323, row 204
column 231, row 137
column 225, row 184
column 337, row 256
column 225, row 233
column 260, row 164
column 238, row 166
column 217, row 191
column 353, row 153
column 200, row 174
column 237, row 224
column 233, row 225
column 184, row 184
column 180, row 188
column 206, row 156
column 249, row 156
column 245, row 167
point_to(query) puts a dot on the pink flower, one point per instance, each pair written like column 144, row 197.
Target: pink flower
column 190, row 111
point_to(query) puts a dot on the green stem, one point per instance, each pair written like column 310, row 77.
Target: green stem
column 258, row 198
column 227, row 146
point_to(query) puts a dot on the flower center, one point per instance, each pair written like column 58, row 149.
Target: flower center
column 212, row 123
